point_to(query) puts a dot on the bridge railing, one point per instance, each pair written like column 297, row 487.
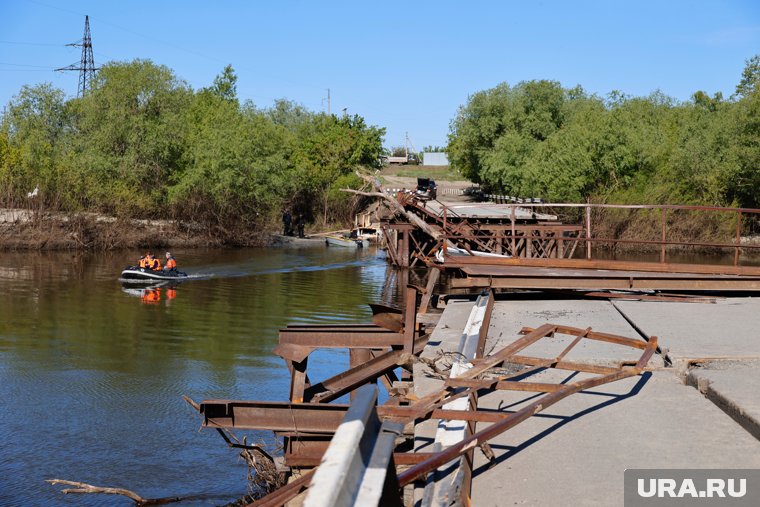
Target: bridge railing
column 743, row 220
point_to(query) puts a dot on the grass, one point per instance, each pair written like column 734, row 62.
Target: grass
column 444, row 173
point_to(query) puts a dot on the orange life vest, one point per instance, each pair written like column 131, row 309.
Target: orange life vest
column 144, row 262
column 151, row 296
column 155, row 264
column 170, row 264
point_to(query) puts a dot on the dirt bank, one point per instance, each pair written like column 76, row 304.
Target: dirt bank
column 27, row 230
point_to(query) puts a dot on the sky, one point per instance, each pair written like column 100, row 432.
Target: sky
column 406, row 66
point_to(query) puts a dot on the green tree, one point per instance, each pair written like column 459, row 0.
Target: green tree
column 34, row 129
column 750, row 77
column 131, row 135
column 225, row 84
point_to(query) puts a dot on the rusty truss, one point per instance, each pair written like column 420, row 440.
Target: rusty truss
column 513, row 230
column 310, row 420
column 514, row 246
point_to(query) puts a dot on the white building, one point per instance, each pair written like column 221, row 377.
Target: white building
column 438, row 158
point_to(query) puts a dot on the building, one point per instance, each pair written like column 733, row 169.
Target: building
column 438, row 158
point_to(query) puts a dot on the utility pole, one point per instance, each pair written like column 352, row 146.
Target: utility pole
column 86, row 65
column 328, row 102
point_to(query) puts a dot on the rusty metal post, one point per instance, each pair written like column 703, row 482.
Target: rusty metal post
column 433, row 275
column 664, row 234
column 588, row 231
column 445, row 232
column 357, row 357
column 298, row 380
column 410, row 319
column 512, row 221
column 403, row 248
column 738, row 237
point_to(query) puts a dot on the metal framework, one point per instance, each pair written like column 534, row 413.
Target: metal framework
column 308, row 421
column 86, row 65
column 517, row 247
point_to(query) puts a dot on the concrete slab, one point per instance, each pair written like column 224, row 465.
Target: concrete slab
column 575, row 452
column 688, row 331
column 512, row 315
column 734, row 386
column 445, row 338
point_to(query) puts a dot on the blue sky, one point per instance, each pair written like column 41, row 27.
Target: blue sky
column 406, row 66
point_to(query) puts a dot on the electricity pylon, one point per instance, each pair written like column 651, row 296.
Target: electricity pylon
column 86, row 66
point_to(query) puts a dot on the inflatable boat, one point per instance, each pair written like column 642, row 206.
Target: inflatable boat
column 136, row 273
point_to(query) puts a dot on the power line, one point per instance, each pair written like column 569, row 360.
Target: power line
column 16, row 43
column 26, row 65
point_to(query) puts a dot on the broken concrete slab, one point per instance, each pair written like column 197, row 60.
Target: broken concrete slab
column 687, row 331
column 578, row 449
column 734, row 386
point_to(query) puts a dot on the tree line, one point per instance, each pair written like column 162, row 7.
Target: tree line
column 538, row 139
column 143, row 143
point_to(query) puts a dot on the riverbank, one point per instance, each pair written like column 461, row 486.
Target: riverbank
column 22, row 229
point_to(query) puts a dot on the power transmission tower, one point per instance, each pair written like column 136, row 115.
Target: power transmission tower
column 408, row 144
column 86, row 66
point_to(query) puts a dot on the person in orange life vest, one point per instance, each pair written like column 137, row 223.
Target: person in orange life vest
column 145, row 260
column 171, row 264
column 154, row 264
column 150, row 262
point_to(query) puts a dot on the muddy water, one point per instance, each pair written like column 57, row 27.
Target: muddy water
column 92, row 374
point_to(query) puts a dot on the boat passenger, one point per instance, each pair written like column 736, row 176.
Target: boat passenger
column 145, row 260
column 150, row 262
column 171, row 264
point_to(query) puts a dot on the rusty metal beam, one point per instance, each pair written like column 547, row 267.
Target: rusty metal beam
column 371, row 337
column 537, row 387
column 594, row 335
column 611, row 265
column 311, row 419
column 563, row 282
column 276, row 416
column 340, row 384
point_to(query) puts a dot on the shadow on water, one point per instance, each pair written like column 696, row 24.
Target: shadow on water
column 92, row 374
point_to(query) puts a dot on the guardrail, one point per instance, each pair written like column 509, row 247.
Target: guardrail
column 358, row 467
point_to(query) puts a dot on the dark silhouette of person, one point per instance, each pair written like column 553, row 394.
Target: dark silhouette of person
column 301, row 225
column 287, row 223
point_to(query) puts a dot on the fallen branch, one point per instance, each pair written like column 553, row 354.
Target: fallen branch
column 83, row 488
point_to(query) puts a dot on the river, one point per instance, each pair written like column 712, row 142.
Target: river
column 91, row 374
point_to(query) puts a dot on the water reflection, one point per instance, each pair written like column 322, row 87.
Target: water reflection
column 152, row 294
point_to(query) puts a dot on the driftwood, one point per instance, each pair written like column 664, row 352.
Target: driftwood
column 81, row 488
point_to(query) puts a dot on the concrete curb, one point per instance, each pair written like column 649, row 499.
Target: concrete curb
column 732, row 387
